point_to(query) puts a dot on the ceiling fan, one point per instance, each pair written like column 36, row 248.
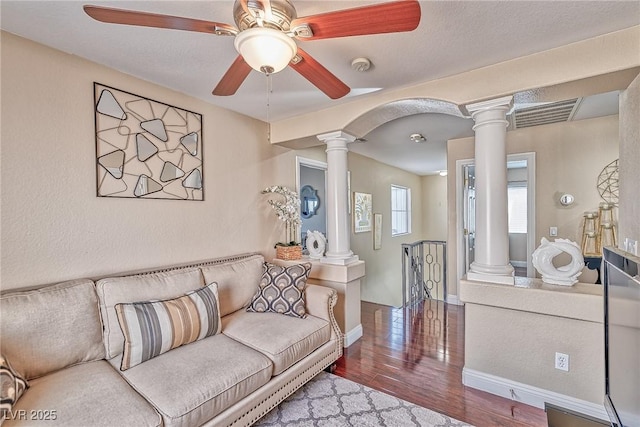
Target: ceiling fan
column 265, row 31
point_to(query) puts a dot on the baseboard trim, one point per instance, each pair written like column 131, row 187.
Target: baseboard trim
column 518, row 263
column 453, row 299
column 528, row 394
column 353, row 335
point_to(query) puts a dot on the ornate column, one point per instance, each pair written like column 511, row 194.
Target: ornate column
column 338, row 229
column 340, row 269
column 491, row 262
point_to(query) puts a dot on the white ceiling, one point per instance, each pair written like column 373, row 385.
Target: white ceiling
column 453, row 37
column 390, row 143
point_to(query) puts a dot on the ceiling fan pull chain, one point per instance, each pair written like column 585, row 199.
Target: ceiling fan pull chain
column 269, row 90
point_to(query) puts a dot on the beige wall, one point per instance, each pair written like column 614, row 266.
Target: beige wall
column 383, row 281
column 53, row 225
column 527, row 343
column 569, row 158
column 529, row 328
column 629, row 161
column 434, row 207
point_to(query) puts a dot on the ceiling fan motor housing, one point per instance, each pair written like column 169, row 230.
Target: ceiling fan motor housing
column 280, row 17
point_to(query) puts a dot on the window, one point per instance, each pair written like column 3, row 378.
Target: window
column 517, row 199
column 400, row 210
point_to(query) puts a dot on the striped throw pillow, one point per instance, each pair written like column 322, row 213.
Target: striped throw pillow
column 12, row 385
column 155, row 327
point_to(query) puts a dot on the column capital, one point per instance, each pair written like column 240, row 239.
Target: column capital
column 336, row 135
column 505, row 102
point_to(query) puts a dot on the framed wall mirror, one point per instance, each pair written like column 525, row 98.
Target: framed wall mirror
column 309, row 202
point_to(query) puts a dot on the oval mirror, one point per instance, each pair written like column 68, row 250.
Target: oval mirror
column 309, row 202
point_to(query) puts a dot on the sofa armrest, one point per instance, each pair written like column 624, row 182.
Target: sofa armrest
column 320, row 303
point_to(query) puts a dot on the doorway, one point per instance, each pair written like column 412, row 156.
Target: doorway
column 311, row 181
column 521, row 193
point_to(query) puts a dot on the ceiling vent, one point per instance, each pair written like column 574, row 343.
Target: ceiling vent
column 555, row 112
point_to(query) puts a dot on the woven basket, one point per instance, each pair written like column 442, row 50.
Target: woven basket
column 289, row 253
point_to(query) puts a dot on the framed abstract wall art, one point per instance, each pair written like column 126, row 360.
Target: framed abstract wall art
column 145, row 148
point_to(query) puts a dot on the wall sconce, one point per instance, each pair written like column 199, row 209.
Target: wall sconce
column 567, row 199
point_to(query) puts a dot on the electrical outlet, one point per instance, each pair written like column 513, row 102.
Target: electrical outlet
column 562, row 361
column 631, row 246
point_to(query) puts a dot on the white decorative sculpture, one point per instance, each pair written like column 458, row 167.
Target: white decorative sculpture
column 316, row 243
column 543, row 256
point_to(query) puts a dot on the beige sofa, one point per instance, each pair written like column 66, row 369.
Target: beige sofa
column 66, row 341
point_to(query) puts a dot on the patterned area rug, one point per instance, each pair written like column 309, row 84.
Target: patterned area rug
column 332, row 401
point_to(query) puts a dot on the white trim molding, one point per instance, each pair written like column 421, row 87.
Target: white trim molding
column 353, row 335
column 527, row 394
column 461, row 268
column 453, row 299
column 310, row 163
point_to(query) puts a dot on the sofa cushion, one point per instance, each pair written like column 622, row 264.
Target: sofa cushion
column 193, row 383
column 12, row 385
column 283, row 339
column 153, row 328
column 90, row 394
column 281, row 290
column 145, row 287
column 237, row 281
column 51, row 328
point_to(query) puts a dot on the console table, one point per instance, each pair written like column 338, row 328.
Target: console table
column 593, row 263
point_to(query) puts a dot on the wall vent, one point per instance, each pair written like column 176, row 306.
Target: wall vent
column 555, row 112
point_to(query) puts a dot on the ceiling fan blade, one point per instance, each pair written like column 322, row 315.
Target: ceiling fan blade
column 233, row 78
column 144, row 19
column 322, row 78
column 393, row 17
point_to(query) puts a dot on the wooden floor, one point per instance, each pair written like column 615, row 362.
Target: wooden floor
column 422, row 361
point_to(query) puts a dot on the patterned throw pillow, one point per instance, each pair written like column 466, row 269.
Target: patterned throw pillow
column 281, row 290
column 12, row 385
column 155, row 327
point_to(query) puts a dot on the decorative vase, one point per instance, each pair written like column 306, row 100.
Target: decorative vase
column 543, row 256
column 316, row 243
column 289, row 253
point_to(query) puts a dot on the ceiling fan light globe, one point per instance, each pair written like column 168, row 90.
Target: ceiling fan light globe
column 265, row 49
